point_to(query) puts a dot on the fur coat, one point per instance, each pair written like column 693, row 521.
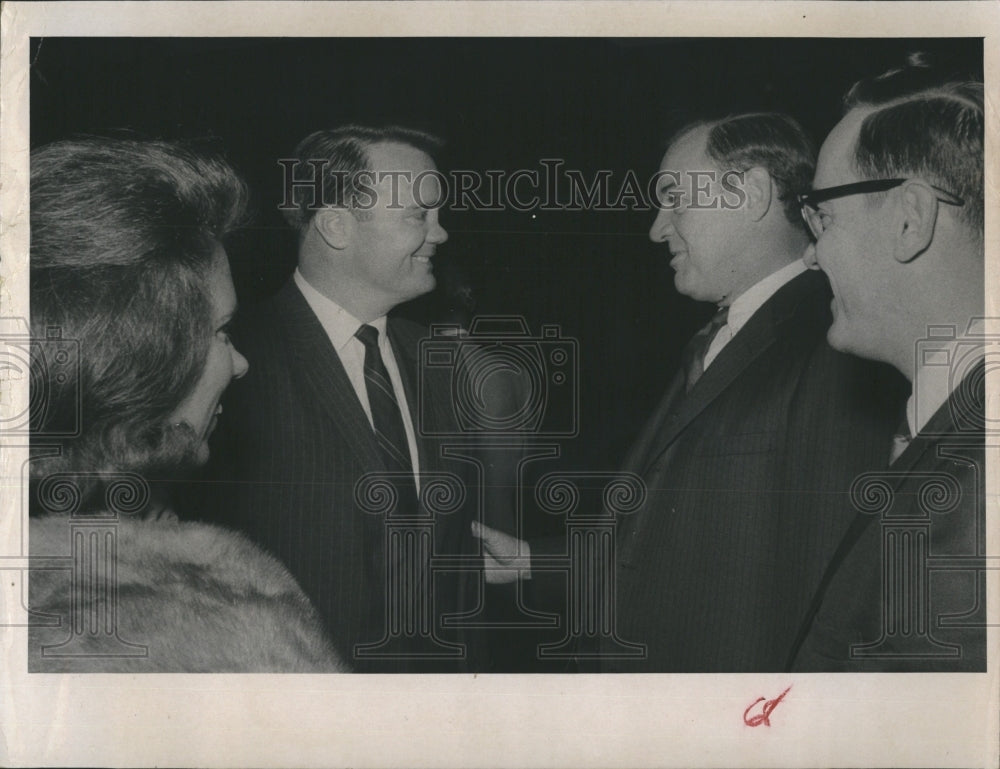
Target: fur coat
column 191, row 598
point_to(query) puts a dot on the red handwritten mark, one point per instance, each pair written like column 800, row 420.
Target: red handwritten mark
column 764, row 717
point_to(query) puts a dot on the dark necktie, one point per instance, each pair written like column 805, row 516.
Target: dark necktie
column 694, row 352
column 387, row 420
column 900, row 441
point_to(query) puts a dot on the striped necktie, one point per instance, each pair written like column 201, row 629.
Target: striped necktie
column 387, row 420
column 694, row 352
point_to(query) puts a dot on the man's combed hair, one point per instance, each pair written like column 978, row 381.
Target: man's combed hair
column 924, row 124
column 340, row 155
column 123, row 234
column 770, row 140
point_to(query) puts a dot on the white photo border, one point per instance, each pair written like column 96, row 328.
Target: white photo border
column 473, row 721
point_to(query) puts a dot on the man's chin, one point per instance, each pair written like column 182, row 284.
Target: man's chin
column 837, row 337
column 692, row 291
column 416, row 291
column 427, row 284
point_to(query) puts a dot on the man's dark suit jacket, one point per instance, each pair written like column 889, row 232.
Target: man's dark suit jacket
column 748, row 479
column 292, row 443
column 879, row 610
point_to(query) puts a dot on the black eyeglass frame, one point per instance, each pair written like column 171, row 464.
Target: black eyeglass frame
column 813, row 198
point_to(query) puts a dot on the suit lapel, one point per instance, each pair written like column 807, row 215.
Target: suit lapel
column 742, row 350
column 649, row 441
column 750, row 343
column 322, row 372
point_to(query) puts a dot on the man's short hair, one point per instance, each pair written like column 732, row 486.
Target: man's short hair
column 770, row 140
column 342, row 154
column 925, row 124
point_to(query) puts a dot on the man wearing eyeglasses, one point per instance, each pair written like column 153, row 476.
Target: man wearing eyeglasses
column 897, row 215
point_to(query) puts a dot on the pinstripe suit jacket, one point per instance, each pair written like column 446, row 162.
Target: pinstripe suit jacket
column 906, row 590
column 292, row 443
column 748, row 480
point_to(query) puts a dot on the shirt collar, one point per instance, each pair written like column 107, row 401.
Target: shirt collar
column 751, row 300
column 339, row 324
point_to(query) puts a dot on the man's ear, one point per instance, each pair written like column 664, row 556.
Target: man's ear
column 918, row 207
column 759, row 191
column 334, row 225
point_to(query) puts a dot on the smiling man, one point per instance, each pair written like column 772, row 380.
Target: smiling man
column 897, row 213
column 333, row 398
column 749, row 456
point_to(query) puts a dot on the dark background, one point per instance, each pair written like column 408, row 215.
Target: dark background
column 500, row 104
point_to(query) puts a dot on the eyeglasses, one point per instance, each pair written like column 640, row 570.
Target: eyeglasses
column 810, row 200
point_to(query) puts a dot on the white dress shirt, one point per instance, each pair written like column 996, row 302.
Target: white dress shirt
column 747, row 303
column 340, row 327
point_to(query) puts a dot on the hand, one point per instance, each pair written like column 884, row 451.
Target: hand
column 505, row 558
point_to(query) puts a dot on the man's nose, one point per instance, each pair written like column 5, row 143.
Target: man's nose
column 663, row 225
column 437, row 233
column 240, row 364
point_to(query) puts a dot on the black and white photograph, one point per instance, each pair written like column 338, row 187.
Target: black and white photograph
column 456, row 384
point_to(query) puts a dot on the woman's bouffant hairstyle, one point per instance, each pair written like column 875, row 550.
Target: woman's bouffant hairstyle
column 123, row 237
